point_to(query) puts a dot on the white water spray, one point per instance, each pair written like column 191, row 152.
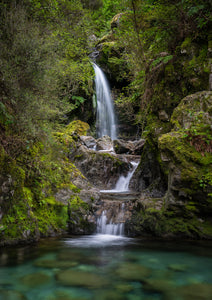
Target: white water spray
column 105, row 226
column 123, row 182
column 106, row 124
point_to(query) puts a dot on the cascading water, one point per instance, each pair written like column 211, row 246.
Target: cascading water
column 123, row 182
column 106, row 124
column 105, row 227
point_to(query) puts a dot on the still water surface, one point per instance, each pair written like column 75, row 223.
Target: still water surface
column 106, row 267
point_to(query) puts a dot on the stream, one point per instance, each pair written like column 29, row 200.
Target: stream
column 106, row 267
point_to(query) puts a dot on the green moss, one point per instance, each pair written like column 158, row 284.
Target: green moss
column 78, row 127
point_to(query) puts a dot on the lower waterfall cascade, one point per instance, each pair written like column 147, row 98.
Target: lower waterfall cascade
column 109, row 228
column 107, row 225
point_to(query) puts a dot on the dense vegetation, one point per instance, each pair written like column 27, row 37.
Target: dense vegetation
column 154, row 53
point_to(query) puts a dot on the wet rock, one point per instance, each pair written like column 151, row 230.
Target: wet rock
column 128, row 147
column 88, row 141
column 55, row 264
column 11, row 295
column 104, row 143
column 129, row 271
column 102, row 169
column 82, row 279
column 121, row 146
column 35, row 279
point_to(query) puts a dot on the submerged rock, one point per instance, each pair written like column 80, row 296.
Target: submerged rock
column 196, row 291
column 178, row 267
column 50, row 263
column 35, row 279
column 159, row 285
column 11, row 295
column 82, row 279
column 130, row 271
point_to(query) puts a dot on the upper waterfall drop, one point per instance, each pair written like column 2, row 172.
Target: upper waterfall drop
column 106, row 124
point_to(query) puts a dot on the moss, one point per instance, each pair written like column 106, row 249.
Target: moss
column 78, row 127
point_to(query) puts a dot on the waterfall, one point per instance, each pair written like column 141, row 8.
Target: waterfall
column 106, row 124
column 105, row 226
column 123, row 182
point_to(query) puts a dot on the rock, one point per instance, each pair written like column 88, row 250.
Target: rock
column 121, row 146
column 178, row 267
column 124, row 288
column 61, row 295
column 138, row 146
column 110, row 295
column 77, row 127
column 159, row 285
column 196, row 291
column 163, row 116
column 82, row 279
column 102, row 169
column 104, row 143
column 188, row 155
column 55, row 264
column 35, row 279
column 130, row 271
column 193, row 111
column 128, row 147
column 88, row 141
column 11, row 295
column 149, row 175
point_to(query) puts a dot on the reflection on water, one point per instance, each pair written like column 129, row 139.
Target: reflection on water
column 106, row 267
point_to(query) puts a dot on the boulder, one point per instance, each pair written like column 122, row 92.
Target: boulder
column 104, row 143
column 186, row 153
column 88, row 141
column 101, row 169
column 128, row 147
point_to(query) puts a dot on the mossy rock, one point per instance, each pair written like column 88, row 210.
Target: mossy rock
column 78, row 127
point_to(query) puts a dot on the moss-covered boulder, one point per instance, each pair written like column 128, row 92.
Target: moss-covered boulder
column 179, row 164
column 102, row 169
column 186, row 152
